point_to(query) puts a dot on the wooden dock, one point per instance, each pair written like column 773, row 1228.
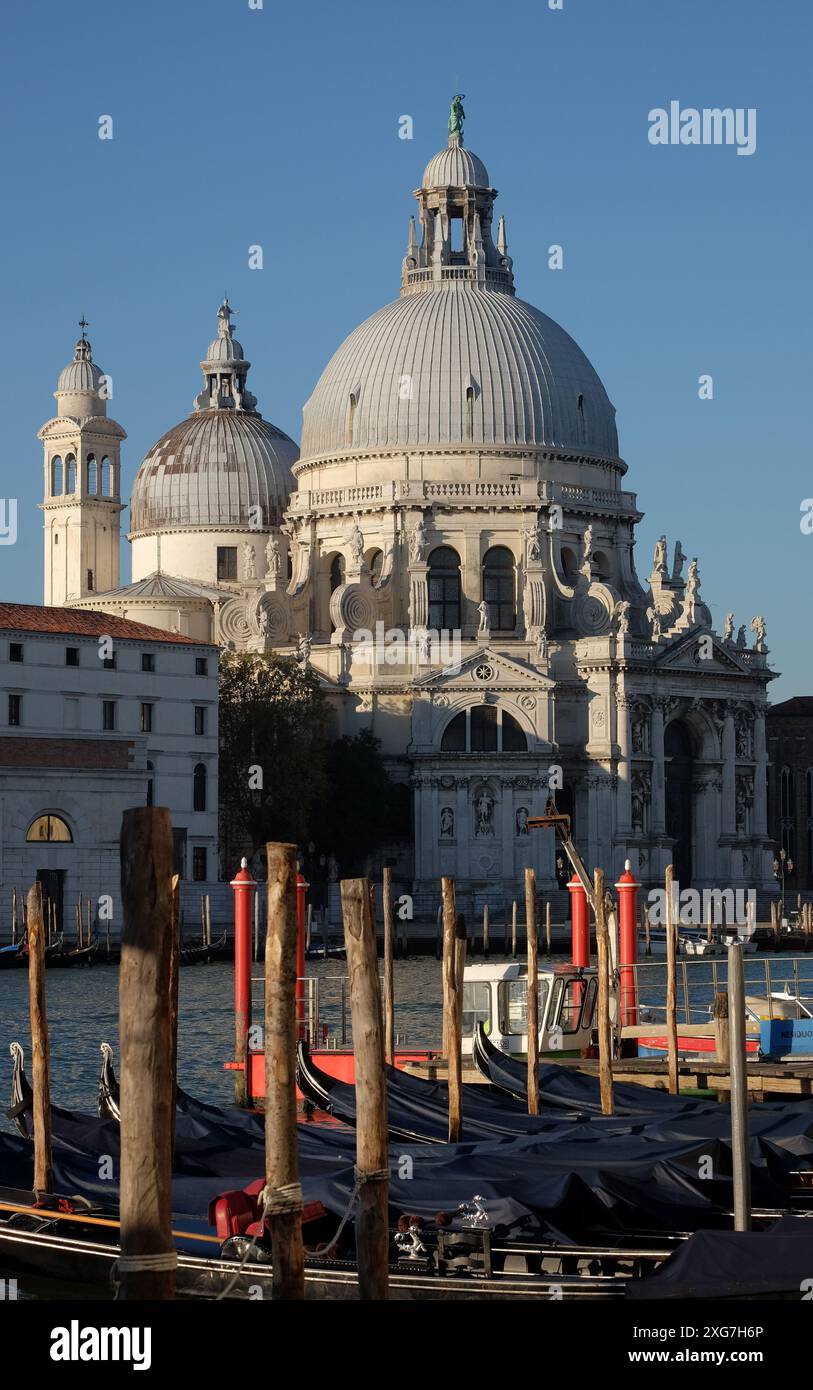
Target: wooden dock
column 766, row 1080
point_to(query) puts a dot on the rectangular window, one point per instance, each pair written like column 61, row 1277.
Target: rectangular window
column 90, row 581
column 71, row 656
column 476, row 1007
column 179, row 853
column 109, row 662
column 199, row 863
column 227, row 562
column 146, row 719
column 108, row 714
column 200, row 719
column 201, row 666
column 147, row 661
column 15, row 707
column 15, row 651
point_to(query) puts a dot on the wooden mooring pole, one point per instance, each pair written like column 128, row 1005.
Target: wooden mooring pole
column 547, row 929
column 603, row 964
column 671, row 984
column 372, row 1148
column 14, row 916
column 451, row 1011
column 486, row 926
column 148, row 1259
column 389, row 973
column 741, row 1161
column 533, row 991
column 40, row 1053
column 283, row 1194
column 174, row 965
column 514, row 928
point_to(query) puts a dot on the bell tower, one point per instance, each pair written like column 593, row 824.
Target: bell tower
column 81, row 495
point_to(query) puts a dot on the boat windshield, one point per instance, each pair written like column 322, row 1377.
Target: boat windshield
column 476, row 1007
column 572, row 1004
column 513, row 996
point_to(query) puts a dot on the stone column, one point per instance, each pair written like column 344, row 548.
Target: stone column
column 624, row 795
column 435, row 820
column 760, row 825
column 418, row 595
column 462, row 827
column 729, row 749
column 658, row 808
column 508, row 831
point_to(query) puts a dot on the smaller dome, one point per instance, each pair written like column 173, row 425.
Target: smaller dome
column 82, row 374
column 225, row 349
column 455, row 167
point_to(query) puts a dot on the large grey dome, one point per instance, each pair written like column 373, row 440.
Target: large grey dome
column 456, row 365
column 210, row 470
column 455, row 166
column 224, row 462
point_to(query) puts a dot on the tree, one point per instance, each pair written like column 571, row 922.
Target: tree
column 364, row 807
column 272, row 721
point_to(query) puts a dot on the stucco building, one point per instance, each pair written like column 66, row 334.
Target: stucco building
column 100, row 715
column 454, row 552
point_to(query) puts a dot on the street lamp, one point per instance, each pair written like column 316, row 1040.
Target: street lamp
column 781, row 866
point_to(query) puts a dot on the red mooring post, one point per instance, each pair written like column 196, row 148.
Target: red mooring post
column 581, row 922
column 627, row 888
column 301, row 898
column 244, row 889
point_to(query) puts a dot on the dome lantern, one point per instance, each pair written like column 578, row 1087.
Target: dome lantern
column 225, row 369
column 456, row 204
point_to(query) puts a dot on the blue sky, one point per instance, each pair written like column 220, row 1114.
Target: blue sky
column 279, row 127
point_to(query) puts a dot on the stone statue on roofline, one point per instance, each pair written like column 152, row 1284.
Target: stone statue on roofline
column 418, row 542
column 659, row 558
column 621, row 613
column 759, row 629
column 356, row 543
column 728, row 630
column 456, row 118
column 272, row 559
column 679, row 562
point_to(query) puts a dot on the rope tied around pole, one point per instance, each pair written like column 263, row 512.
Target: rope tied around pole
column 277, row 1201
column 360, row 1180
column 140, row 1264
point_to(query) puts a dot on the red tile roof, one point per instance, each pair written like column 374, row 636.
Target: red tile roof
column 796, row 705
column 82, row 622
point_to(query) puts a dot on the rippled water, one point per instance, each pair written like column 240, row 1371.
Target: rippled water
column 83, row 1012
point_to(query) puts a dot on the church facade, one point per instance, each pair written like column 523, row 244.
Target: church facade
column 452, row 550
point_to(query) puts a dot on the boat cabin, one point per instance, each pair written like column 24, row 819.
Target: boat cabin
column 497, row 996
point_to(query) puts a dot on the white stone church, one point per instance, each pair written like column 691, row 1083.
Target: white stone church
column 452, row 550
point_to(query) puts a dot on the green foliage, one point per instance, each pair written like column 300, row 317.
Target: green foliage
column 364, row 807
column 272, row 717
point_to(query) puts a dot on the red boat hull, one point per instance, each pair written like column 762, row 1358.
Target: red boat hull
column 335, row 1062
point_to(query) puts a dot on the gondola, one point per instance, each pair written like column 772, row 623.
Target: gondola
column 67, row 958
column 74, row 1241
column 10, row 956
column 326, row 953
column 108, row 1104
column 204, row 953
column 15, row 956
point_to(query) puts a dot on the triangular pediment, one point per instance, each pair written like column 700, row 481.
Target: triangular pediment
column 701, row 650
column 485, row 669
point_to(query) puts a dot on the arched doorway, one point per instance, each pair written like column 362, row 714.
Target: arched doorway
column 677, row 747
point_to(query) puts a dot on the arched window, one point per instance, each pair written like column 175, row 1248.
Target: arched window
column 151, row 785
column 498, row 588
column 444, row 589
column 47, row 827
column 469, row 412
column 786, row 792
column 570, row 565
column 483, row 729
column 787, row 810
column 70, row 473
column 336, row 572
column 601, row 564
column 352, row 402
column 92, row 474
column 56, row 476
column 375, row 564
column 107, row 478
column 199, row 787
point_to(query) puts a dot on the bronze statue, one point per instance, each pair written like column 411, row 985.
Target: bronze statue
column 456, row 117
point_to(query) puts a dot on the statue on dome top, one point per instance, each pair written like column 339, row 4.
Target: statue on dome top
column 456, row 118
column 224, row 317
column 679, row 562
